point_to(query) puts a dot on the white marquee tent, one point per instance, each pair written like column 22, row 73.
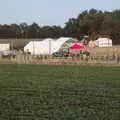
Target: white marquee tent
column 104, row 42
column 47, row 46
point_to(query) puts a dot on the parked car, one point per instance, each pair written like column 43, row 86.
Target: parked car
column 60, row 54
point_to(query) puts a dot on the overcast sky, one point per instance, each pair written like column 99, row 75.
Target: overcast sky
column 49, row 12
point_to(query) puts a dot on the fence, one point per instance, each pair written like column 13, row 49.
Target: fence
column 81, row 59
column 98, row 56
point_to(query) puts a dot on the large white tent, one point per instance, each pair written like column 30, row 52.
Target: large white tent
column 47, row 46
column 104, row 42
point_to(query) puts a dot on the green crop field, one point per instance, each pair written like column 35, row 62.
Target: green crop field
column 39, row 92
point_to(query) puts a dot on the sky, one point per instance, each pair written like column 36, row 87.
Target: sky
column 49, row 12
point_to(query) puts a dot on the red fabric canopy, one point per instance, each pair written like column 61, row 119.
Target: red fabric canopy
column 77, row 46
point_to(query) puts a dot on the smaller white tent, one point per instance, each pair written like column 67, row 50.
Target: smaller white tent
column 104, row 42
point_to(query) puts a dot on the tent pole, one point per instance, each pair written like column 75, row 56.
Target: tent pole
column 49, row 47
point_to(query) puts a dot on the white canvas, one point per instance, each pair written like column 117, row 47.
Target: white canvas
column 47, row 46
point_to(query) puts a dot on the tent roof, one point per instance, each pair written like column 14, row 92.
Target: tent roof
column 46, row 45
column 77, row 46
column 103, row 39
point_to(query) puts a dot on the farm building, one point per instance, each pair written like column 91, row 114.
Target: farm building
column 47, row 46
column 4, row 46
column 92, row 44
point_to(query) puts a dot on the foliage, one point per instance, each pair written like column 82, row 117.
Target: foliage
column 94, row 22
column 33, row 92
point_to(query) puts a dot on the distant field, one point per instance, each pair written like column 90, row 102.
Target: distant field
column 38, row 92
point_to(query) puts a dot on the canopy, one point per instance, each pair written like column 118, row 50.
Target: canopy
column 77, row 46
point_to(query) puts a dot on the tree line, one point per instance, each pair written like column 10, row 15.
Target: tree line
column 90, row 22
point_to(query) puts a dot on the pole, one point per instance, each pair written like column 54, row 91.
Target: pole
column 49, row 47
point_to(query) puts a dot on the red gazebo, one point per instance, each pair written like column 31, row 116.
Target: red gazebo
column 75, row 48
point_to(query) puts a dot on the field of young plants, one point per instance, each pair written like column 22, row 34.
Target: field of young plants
column 39, row 92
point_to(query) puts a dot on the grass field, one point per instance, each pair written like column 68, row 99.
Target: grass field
column 38, row 92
